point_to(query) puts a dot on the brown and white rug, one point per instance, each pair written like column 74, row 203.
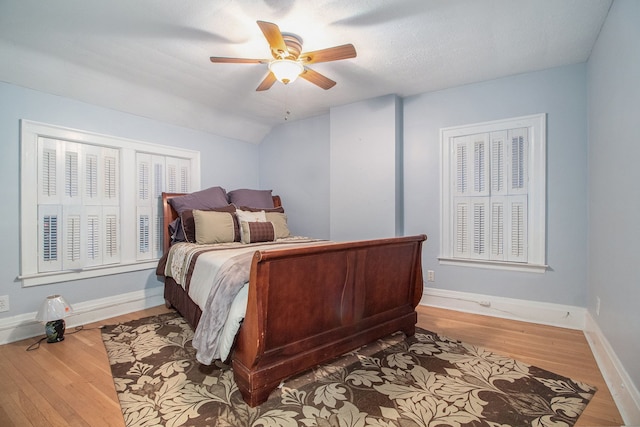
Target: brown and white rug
column 424, row 380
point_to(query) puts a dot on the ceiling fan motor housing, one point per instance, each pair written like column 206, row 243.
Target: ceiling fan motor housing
column 294, row 45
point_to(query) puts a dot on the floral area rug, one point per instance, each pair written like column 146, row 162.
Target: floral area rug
column 424, row 380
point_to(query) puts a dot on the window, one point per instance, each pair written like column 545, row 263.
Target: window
column 77, row 216
column 493, row 194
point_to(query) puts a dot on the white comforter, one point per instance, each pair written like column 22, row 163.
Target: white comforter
column 223, row 303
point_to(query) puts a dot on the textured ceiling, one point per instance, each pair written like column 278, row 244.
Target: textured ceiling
column 151, row 57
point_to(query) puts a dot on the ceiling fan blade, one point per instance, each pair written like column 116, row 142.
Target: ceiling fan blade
column 336, row 53
column 317, row 79
column 274, row 37
column 224, row 60
column 268, row 81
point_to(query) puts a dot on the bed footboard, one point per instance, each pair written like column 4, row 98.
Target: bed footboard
column 309, row 305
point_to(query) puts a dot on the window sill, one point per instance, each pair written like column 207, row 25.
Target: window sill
column 495, row 265
column 65, row 276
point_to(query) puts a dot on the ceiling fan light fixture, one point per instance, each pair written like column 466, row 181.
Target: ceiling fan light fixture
column 286, row 70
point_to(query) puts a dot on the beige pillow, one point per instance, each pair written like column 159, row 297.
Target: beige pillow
column 279, row 221
column 213, row 227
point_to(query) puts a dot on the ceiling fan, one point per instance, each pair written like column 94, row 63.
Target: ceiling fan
column 288, row 62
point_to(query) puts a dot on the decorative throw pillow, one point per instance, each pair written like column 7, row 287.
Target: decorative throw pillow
column 249, row 216
column 213, row 227
column 253, row 198
column 211, row 198
column 254, row 232
column 175, row 231
column 279, row 221
column 189, row 228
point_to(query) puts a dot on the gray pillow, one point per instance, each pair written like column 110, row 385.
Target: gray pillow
column 211, row 198
column 252, row 198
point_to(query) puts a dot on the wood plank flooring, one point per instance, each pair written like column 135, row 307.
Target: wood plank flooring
column 70, row 384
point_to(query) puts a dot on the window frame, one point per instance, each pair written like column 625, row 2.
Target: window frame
column 536, row 205
column 128, row 149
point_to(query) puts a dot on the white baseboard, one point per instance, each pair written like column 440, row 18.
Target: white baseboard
column 24, row 326
column 625, row 394
column 564, row 316
column 622, row 389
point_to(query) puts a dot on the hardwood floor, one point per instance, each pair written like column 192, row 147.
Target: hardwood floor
column 70, row 384
column 563, row 351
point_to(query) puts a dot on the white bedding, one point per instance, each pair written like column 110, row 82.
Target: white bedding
column 205, row 273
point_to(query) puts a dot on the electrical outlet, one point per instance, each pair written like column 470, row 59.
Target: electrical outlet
column 597, row 306
column 431, row 276
column 4, row 303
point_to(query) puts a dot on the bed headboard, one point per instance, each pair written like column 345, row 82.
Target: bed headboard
column 169, row 215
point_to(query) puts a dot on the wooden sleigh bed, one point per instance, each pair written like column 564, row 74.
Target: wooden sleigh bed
column 307, row 305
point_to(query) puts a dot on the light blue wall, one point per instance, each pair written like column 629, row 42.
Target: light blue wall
column 225, row 162
column 294, row 162
column 363, row 170
column 613, row 76
column 559, row 92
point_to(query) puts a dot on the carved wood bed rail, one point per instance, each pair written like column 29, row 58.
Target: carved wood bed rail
column 309, row 305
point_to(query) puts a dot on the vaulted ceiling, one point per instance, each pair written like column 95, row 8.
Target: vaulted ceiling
column 151, row 57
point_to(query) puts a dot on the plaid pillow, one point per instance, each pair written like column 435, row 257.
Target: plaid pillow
column 253, row 232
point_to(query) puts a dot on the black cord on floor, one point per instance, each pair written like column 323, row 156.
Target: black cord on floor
column 36, row 345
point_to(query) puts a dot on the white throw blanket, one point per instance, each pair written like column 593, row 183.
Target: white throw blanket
column 229, row 281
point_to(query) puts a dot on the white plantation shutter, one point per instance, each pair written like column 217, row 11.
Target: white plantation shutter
column 94, row 236
column 472, row 174
column 101, row 175
column 461, row 228
column 481, row 167
column 517, row 232
column 151, row 183
column 184, row 177
column 498, row 153
column 70, row 188
column 158, row 180
column 482, row 204
column 158, row 234
column 49, row 253
column 497, row 229
column 49, row 172
column 110, row 174
column 143, row 233
column 49, row 169
column 144, row 206
column 480, row 227
column 158, row 175
column 178, row 175
column 143, row 166
column 71, row 179
column 462, row 168
column 462, row 207
column 518, row 149
column 76, row 181
column 91, row 176
column 487, row 192
column 72, row 237
column 111, row 235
